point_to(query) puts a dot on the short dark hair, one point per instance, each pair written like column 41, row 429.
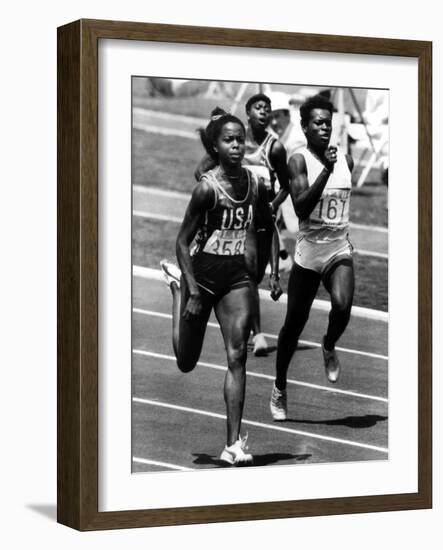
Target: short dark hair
column 257, row 97
column 314, row 102
column 209, row 135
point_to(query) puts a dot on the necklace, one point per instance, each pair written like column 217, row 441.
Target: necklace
column 222, row 174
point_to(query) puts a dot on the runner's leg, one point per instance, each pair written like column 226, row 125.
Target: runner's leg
column 257, row 258
column 233, row 312
column 340, row 284
column 255, row 308
column 188, row 335
column 302, row 288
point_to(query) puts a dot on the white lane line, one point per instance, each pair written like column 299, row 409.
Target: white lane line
column 361, row 252
column 322, row 305
column 175, row 219
column 269, row 335
column 262, row 425
column 169, row 116
column 185, row 197
column 266, row 377
column 143, row 190
column 161, row 464
column 377, row 228
column 164, row 131
column 161, row 217
column 166, row 193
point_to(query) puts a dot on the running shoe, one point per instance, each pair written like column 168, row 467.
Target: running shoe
column 235, row 454
column 171, row 272
column 278, row 404
column 332, row 364
column 260, row 344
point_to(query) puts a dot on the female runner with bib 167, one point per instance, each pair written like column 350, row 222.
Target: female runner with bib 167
column 320, row 188
column 210, row 250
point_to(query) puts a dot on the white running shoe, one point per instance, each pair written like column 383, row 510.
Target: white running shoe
column 235, row 454
column 260, row 344
column 332, row 364
column 171, row 272
column 278, row 404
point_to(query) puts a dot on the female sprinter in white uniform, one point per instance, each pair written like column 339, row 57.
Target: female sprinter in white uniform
column 221, row 211
column 320, row 188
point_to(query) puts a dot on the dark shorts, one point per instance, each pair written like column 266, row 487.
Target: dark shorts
column 218, row 275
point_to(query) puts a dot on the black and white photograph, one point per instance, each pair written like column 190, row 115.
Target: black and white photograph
column 109, row 165
column 259, row 274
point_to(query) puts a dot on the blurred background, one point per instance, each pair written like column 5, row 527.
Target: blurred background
column 360, row 121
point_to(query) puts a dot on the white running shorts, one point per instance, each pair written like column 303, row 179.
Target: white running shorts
column 320, row 256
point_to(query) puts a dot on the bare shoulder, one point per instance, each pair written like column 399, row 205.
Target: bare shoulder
column 297, row 164
column 203, row 194
column 277, row 149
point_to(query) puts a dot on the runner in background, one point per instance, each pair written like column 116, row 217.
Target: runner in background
column 224, row 206
column 291, row 136
column 320, row 187
column 266, row 158
column 288, row 131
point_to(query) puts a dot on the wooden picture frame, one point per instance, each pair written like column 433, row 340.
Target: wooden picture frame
column 77, row 477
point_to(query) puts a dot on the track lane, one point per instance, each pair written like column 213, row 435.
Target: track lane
column 156, row 428
column 176, row 437
column 325, row 413
column 365, row 375
column 190, row 440
column 362, row 334
column 310, row 410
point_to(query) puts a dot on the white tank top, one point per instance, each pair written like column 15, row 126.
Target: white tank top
column 256, row 159
column 329, row 220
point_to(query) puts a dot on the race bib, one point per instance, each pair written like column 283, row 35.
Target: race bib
column 226, row 242
column 332, row 209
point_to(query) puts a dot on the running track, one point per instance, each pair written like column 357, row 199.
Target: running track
column 179, row 419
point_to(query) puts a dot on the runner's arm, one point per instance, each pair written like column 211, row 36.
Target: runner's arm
column 305, row 197
column 202, row 199
column 279, row 163
column 265, row 214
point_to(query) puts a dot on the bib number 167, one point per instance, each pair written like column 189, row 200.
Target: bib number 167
column 333, row 210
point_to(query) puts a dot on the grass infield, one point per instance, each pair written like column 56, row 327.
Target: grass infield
column 168, row 162
column 154, row 240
